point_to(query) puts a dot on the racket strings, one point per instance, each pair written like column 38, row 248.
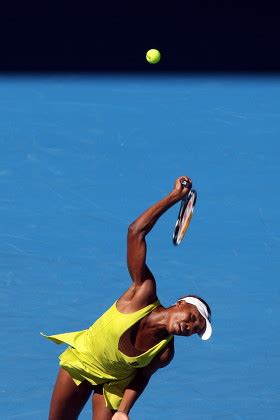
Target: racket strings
column 184, row 217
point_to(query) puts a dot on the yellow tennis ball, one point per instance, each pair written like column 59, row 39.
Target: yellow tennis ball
column 153, row 56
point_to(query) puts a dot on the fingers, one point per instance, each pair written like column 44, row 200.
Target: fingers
column 185, row 181
column 182, row 183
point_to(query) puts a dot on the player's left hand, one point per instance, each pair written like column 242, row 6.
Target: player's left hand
column 119, row 415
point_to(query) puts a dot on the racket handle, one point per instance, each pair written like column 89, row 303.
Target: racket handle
column 186, row 184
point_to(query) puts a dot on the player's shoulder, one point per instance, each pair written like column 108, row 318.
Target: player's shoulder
column 161, row 360
column 165, row 356
column 137, row 297
column 168, row 353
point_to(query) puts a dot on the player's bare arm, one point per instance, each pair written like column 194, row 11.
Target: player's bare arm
column 137, row 386
column 143, row 290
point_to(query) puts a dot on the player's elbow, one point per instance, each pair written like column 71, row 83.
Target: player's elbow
column 134, row 230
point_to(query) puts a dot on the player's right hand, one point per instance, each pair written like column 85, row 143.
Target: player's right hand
column 182, row 189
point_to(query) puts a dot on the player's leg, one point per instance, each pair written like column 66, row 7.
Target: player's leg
column 99, row 409
column 68, row 399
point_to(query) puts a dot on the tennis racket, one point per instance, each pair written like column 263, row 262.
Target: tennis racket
column 184, row 216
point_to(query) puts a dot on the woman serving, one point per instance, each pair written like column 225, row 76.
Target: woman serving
column 115, row 358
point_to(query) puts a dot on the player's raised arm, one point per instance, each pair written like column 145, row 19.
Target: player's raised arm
column 136, row 242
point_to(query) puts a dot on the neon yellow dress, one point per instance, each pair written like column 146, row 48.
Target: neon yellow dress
column 93, row 353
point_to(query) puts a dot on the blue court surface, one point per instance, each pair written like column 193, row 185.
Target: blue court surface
column 81, row 158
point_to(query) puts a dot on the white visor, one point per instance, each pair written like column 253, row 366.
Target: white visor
column 202, row 309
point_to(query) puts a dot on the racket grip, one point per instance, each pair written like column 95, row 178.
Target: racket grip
column 186, row 184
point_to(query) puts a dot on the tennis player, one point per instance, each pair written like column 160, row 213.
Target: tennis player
column 115, row 358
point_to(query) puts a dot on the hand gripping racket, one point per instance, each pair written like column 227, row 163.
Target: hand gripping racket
column 185, row 215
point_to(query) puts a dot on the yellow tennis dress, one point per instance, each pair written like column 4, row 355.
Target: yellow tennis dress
column 94, row 356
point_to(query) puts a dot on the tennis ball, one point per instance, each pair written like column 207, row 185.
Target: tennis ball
column 153, row 56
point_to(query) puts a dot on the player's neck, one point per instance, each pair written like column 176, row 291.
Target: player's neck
column 155, row 322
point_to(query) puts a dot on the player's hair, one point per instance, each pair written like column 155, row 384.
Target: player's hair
column 202, row 300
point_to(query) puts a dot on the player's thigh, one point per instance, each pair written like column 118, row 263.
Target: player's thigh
column 68, row 399
column 99, row 409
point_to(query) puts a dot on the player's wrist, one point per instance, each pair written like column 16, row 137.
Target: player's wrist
column 124, row 408
column 175, row 196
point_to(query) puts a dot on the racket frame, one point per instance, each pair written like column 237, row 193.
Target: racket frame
column 184, row 204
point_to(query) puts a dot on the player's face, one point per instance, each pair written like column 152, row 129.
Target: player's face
column 185, row 320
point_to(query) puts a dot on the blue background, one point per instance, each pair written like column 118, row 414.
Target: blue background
column 81, row 158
